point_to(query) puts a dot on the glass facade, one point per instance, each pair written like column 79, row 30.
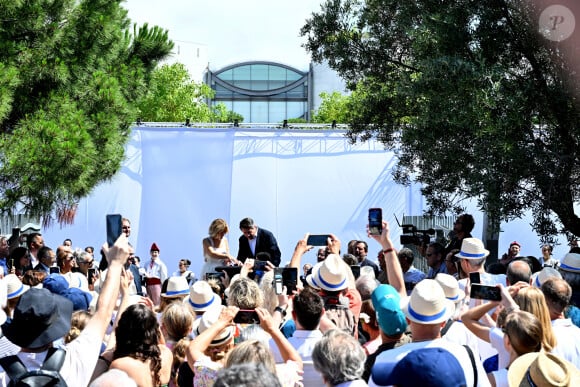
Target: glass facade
column 262, row 92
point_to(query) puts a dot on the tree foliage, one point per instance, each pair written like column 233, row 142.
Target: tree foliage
column 70, row 74
column 476, row 103
column 173, row 96
column 334, row 107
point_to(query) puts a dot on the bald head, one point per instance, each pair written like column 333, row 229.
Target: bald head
column 557, row 293
column 518, row 271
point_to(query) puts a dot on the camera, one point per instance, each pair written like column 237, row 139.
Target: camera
column 413, row 236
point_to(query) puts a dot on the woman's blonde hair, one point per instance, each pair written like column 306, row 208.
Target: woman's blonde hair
column 252, row 351
column 218, row 226
column 245, row 294
column 531, row 299
column 78, row 322
column 177, row 321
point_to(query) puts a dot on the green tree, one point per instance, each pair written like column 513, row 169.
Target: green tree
column 334, row 107
column 174, row 97
column 70, row 74
column 476, row 102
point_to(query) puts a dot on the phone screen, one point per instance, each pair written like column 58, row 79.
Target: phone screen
column 474, row 277
column 247, row 316
column 259, row 266
column 278, row 280
column 485, row 292
column 215, row 276
column 114, row 228
column 317, row 240
column 375, row 221
column 290, row 279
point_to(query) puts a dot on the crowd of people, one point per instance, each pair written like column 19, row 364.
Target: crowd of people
column 345, row 321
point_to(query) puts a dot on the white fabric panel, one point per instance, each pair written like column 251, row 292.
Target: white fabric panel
column 175, row 181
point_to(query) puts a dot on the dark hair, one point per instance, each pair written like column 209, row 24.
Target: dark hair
column 496, row 268
column 438, row 249
column 186, row 261
column 263, row 256
column 575, row 250
column 247, row 223
column 308, row 307
column 406, row 254
column 18, row 253
column 468, row 222
column 137, row 337
column 364, row 243
column 30, row 237
column 43, row 252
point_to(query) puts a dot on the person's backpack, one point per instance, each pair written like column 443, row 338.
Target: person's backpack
column 47, row 375
column 337, row 311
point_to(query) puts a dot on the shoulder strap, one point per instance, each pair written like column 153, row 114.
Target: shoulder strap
column 54, row 359
column 472, row 358
column 447, row 326
column 13, row 367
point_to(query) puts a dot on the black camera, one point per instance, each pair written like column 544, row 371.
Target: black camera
column 413, row 236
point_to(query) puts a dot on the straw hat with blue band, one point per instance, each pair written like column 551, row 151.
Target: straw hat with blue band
column 176, row 287
column 472, row 248
column 428, row 304
column 14, row 286
column 330, row 274
column 450, row 287
column 201, row 297
column 570, row 262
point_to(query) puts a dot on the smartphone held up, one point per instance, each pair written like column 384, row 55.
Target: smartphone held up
column 375, row 221
column 114, row 228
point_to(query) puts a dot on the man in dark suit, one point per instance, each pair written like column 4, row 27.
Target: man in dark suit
column 46, row 259
column 256, row 240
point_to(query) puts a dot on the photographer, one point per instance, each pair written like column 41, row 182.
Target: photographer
column 461, row 229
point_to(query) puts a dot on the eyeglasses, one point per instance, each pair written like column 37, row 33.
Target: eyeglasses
column 70, row 258
column 89, row 262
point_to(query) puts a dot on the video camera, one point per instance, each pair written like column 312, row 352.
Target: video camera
column 413, row 236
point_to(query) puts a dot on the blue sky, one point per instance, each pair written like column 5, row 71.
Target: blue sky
column 231, row 31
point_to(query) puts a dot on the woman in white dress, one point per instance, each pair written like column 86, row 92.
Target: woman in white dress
column 216, row 250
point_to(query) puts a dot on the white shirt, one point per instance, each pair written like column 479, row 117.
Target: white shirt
column 158, row 270
column 79, row 363
column 394, row 355
column 252, row 243
column 567, row 340
column 303, row 341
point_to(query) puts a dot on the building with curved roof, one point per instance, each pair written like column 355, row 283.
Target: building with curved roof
column 263, row 91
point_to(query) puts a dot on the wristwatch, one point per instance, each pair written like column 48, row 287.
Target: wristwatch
column 281, row 310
